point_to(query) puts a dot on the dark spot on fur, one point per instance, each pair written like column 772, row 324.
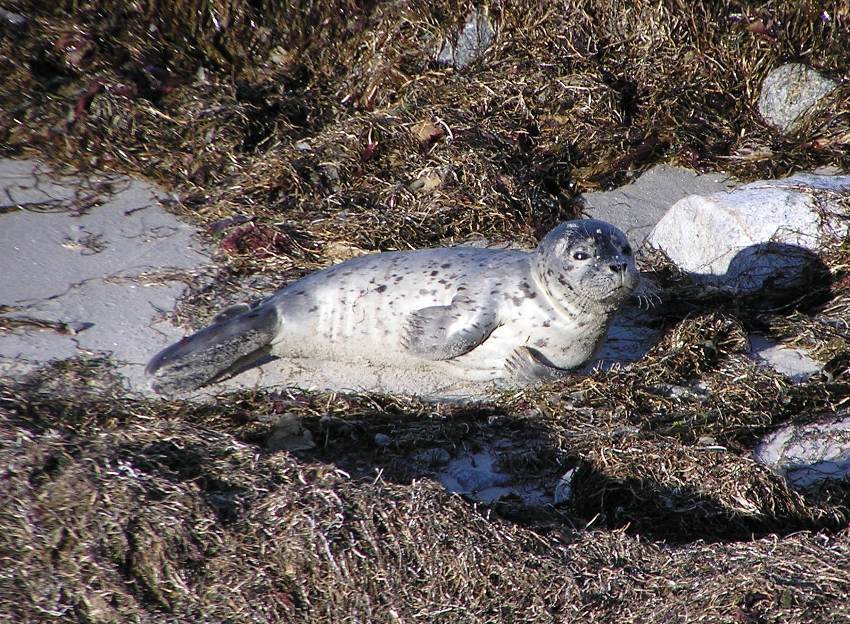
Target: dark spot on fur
column 434, row 273
column 547, row 324
column 446, row 265
column 381, row 288
column 313, row 309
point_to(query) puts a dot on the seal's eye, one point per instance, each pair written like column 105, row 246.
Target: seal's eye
column 580, row 255
column 627, row 250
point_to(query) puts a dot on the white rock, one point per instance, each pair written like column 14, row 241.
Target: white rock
column 759, row 234
column 789, row 91
column 637, row 207
column 471, row 42
column 290, row 435
column 564, row 488
column 808, row 454
column 792, row 362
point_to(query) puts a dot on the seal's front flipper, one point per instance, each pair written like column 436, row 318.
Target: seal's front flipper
column 527, row 366
column 446, row 332
column 207, row 354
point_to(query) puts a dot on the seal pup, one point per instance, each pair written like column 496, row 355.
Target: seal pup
column 480, row 314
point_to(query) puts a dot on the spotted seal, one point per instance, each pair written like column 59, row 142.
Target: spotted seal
column 481, row 314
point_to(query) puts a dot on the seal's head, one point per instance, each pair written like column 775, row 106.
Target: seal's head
column 586, row 266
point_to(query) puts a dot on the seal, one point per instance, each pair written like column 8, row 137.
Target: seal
column 481, row 314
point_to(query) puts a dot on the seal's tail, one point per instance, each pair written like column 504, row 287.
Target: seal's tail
column 232, row 340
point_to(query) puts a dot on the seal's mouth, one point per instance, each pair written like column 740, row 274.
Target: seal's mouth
column 621, row 287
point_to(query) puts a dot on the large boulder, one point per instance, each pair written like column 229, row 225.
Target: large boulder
column 760, row 237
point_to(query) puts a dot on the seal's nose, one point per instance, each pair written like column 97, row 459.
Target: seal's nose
column 618, row 267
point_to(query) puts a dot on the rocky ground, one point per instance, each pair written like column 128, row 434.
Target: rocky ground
column 164, row 160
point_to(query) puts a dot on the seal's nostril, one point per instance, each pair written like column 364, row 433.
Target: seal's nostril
column 620, row 267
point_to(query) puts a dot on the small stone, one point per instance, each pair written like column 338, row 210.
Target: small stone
column 675, row 391
column 281, row 56
column 290, row 435
column 474, row 479
column 789, row 91
column 792, row 362
column 332, row 177
column 808, row 454
column 72, row 328
column 430, row 179
column 470, row 43
column 564, row 487
column 14, row 20
column 222, row 224
column 336, row 251
column 427, row 132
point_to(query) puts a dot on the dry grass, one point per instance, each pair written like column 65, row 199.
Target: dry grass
column 296, row 152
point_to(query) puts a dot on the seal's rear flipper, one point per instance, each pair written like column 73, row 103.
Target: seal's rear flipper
column 213, row 351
